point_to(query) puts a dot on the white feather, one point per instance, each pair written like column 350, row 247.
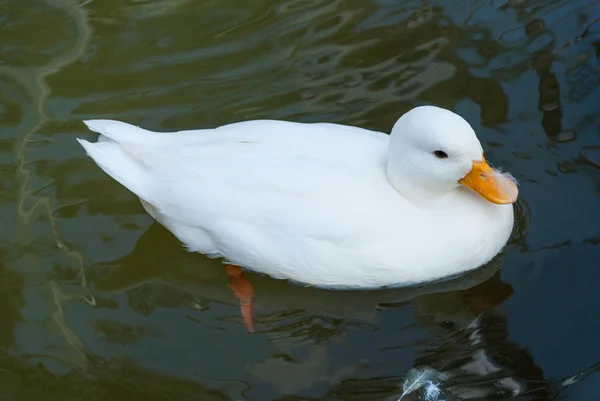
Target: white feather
column 417, row 378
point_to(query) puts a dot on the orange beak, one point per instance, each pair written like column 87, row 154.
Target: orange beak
column 491, row 184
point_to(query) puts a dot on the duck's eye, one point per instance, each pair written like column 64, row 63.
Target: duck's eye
column 440, row 154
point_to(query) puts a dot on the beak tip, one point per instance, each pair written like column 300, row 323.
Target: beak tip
column 493, row 185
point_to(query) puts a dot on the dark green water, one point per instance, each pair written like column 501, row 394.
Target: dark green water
column 99, row 303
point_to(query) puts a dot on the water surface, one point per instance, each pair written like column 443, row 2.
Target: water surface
column 97, row 302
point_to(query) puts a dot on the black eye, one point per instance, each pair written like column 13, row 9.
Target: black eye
column 440, row 154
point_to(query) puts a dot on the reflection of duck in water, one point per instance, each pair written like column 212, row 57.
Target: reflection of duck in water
column 470, row 351
column 468, row 336
column 473, row 350
column 297, row 320
column 327, row 205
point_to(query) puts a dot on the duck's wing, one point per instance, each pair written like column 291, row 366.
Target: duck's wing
column 274, row 173
column 262, row 157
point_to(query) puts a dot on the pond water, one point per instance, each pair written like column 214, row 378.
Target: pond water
column 97, row 302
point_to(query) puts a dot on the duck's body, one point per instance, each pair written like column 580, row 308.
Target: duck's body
column 323, row 204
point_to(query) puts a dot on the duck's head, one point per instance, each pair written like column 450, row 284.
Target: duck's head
column 434, row 151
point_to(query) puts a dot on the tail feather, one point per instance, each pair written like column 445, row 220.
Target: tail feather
column 119, row 151
column 134, row 140
column 118, row 131
column 117, row 163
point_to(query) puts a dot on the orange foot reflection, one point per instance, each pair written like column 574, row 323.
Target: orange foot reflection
column 244, row 291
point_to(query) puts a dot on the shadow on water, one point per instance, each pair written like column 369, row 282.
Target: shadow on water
column 98, row 302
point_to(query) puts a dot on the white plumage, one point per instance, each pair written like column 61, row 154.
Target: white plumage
column 322, row 204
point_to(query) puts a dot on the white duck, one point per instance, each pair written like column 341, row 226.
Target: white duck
column 323, row 204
